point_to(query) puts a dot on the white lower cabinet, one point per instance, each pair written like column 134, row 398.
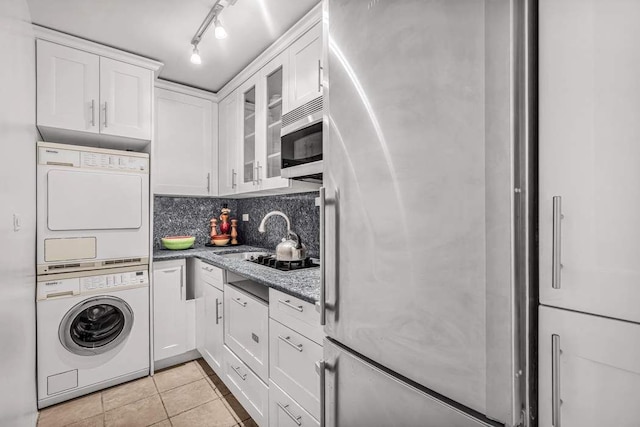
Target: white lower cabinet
column 589, row 370
column 292, row 359
column 174, row 315
column 251, row 391
column 246, row 329
column 213, row 326
column 285, row 412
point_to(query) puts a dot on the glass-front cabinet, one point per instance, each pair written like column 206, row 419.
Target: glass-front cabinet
column 261, row 101
column 272, row 78
column 251, row 157
column 248, row 145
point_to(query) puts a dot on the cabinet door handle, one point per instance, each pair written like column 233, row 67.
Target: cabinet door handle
column 238, row 301
column 321, row 370
column 217, row 313
column 208, row 182
column 233, row 178
column 93, row 113
column 319, row 75
column 288, row 304
column 237, row 371
column 105, row 114
column 557, row 242
column 555, row 380
column 288, row 341
column 296, row 419
column 321, row 305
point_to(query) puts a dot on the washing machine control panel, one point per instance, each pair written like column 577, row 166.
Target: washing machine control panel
column 52, row 287
column 116, row 280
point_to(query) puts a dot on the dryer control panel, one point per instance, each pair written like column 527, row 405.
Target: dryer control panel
column 70, row 284
column 116, row 280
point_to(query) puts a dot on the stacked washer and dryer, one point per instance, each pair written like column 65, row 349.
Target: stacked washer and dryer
column 93, row 269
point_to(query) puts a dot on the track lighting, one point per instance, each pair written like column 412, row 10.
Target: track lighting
column 195, row 56
column 219, row 31
column 212, row 17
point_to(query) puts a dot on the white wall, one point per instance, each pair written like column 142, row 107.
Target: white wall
column 17, row 195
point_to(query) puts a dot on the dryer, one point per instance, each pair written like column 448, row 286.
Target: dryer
column 92, row 331
column 92, row 208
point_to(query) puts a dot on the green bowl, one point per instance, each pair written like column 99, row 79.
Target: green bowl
column 176, row 243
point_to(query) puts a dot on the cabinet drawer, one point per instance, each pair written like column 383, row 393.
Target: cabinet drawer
column 250, row 391
column 246, row 329
column 212, row 275
column 292, row 361
column 285, row 412
column 296, row 314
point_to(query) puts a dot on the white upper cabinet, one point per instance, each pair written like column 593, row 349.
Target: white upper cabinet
column 125, row 95
column 249, row 162
column 589, row 197
column 305, row 68
column 184, row 144
column 274, row 92
column 228, row 145
column 68, row 88
column 92, row 94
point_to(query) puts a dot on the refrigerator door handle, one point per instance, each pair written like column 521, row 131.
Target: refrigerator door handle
column 555, row 379
column 321, row 305
column 556, row 242
column 321, row 370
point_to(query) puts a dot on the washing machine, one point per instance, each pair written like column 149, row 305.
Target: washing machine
column 92, row 331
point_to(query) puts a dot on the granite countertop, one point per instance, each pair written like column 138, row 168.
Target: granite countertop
column 303, row 284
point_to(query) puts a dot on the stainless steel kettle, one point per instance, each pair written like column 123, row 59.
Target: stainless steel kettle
column 289, row 249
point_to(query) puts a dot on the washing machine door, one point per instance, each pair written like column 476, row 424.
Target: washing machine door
column 96, row 325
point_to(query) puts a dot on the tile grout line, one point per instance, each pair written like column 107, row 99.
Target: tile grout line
column 204, row 403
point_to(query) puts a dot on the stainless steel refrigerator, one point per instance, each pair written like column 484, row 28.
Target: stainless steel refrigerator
column 425, row 323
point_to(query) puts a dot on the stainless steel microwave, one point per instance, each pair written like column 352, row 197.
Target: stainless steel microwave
column 301, row 142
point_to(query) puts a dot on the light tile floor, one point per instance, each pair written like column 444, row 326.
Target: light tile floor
column 190, row 395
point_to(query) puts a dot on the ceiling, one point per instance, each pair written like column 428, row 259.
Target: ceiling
column 162, row 30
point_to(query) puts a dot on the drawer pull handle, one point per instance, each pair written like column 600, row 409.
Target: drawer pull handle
column 288, row 304
column 288, row 341
column 237, row 371
column 296, row 419
column 237, row 300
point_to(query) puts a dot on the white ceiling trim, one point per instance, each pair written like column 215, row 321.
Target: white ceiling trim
column 96, row 48
column 187, row 90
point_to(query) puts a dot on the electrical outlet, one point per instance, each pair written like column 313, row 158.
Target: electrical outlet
column 245, row 217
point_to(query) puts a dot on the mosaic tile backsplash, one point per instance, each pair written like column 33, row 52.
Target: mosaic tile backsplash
column 177, row 216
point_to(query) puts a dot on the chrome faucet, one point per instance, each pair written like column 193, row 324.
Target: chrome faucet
column 261, row 228
column 287, row 250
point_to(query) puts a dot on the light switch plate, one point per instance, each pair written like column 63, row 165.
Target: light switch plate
column 245, row 217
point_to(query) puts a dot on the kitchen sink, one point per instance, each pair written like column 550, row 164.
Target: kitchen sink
column 245, row 255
